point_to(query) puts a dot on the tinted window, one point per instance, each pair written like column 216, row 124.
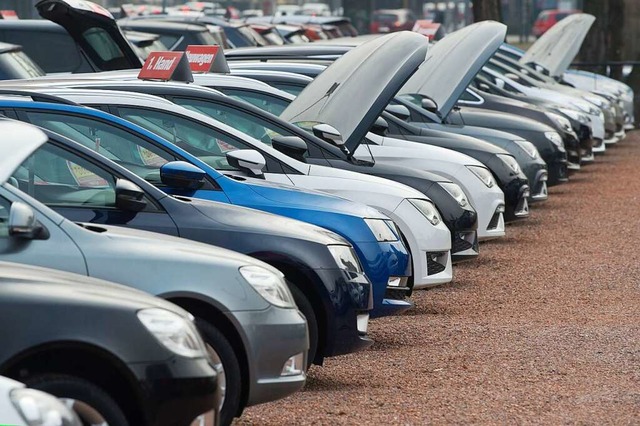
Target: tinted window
column 127, row 149
column 263, row 101
column 170, row 40
column 246, row 123
column 209, row 145
column 18, row 65
column 103, row 44
column 59, row 54
column 289, row 88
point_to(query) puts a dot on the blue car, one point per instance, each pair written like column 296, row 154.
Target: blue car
column 374, row 236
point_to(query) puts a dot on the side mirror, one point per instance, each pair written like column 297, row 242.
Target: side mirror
column 380, row 127
column 429, row 104
column 328, row 133
column 292, row 146
column 247, row 160
column 399, row 111
column 182, row 175
column 512, row 76
column 23, row 223
column 129, row 196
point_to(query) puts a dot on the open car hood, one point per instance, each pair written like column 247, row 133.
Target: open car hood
column 559, row 46
column 353, row 91
column 18, row 142
column 91, row 26
column 453, row 62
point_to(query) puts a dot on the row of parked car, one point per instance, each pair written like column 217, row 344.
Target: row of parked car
column 292, row 193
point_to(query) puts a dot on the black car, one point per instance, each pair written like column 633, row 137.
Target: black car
column 83, row 339
column 461, row 220
column 72, row 40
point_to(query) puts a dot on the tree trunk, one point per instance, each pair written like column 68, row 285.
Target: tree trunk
column 605, row 40
column 484, row 10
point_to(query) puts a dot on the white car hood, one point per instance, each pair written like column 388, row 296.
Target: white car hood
column 559, row 46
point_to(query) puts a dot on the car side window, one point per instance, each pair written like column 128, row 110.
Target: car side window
column 59, row 54
column 57, row 177
column 125, row 148
column 269, row 103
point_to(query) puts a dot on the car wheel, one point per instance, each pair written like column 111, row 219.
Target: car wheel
column 312, row 324
column 93, row 405
column 226, row 365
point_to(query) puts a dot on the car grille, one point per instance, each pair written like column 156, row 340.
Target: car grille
column 433, row 262
column 493, row 223
column 397, row 294
column 460, row 243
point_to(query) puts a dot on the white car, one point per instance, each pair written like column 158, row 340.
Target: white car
column 23, row 406
column 413, row 212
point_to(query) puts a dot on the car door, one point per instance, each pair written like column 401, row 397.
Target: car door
column 82, row 190
column 57, row 251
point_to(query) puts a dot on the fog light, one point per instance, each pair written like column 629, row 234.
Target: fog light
column 394, row 282
column 363, row 323
column 500, row 208
column 293, row 366
column 526, row 193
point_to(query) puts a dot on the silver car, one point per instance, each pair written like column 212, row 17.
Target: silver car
column 243, row 307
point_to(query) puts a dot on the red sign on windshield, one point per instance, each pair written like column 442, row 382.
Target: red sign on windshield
column 160, row 65
column 8, row 14
column 201, row 57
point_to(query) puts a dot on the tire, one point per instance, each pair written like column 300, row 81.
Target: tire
column 227, row 366
column 93, row 405
column 312, row 323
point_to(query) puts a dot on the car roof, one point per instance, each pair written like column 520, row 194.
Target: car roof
column 31, row 24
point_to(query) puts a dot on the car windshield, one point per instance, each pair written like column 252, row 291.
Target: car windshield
column 125, row 148
column 204, row 142
column 249, row 124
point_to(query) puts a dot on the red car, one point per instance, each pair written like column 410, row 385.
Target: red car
column 548, row 18
column 391, row 20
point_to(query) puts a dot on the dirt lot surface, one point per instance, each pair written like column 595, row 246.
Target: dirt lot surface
column 543, row 328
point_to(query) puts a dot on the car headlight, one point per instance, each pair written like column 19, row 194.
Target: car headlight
column 456, row 192
column 529, row 148
column 428, row 210
column 41, row 409
column 555, row 139
column 174, row 332
column 345, row 257
column 384, row 230
column 560, row 121
column 511, row 162
column 269, row 285
column 483, row 174
column 575, row 115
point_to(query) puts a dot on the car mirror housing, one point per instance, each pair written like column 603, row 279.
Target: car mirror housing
column 129, row 196
column 399, row 111
column 429, row 104
column 247, row 160
column 380, row 127
column 182, row 175
column 328, row 133
column 23, row 223
column 292, row 146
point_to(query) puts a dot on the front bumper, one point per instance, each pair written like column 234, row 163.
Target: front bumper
column 539, row 190
column 382, row 261
column 516, row 195
column 349, row 304
column 175, row 392
column 265, row 359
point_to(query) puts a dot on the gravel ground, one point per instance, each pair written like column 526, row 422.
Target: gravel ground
column 542, row 328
